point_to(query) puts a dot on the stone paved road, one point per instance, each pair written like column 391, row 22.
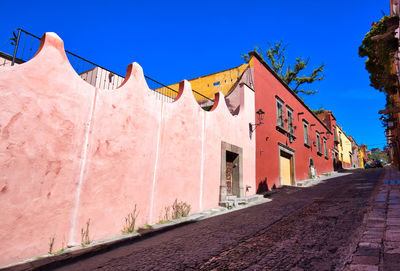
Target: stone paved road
column 315, row 228
column 379, row 246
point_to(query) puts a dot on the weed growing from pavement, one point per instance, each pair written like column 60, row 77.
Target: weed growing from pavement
column 167, row 210
column 59, row 252
column 85, row 236
column 177, row 210
column 180, row 209
column 51, row 244
column 163, row 221
column 147, row 226
column 62, row 248
column 130, row 221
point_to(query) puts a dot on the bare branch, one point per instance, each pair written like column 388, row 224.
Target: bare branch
column 290, row 74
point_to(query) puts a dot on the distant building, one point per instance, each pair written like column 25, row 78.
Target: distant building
column 102, row 78
column 364, row 154
column 355, row 159
column 330, row 121
column 374, row 150
column 345, row 149
column 6, row 60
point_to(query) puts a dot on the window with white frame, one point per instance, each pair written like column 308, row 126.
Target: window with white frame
column 325, row 148
column 279, row 113
column 290, row 120
column 318, row 142
column 305, row 129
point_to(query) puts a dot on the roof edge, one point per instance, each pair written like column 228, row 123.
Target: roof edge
column 262, row 61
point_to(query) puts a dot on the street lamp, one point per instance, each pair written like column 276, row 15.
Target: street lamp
column 260, row 115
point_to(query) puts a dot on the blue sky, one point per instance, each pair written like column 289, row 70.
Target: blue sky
column 176, row 40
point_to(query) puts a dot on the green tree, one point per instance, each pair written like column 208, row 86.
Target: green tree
column 319, row 111
column 381, row 45
column 378, row 155
column 275, row 56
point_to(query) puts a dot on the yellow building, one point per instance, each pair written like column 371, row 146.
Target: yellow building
column 361, row 158
column 205, row 87
column 217, row 82
column 344, row 148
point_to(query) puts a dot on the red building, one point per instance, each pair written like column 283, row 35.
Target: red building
column 329, row 119
column 293, row 144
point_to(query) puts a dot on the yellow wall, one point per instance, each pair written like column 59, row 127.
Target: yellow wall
column 208, row 85
column 360, row 158
column 345, row 147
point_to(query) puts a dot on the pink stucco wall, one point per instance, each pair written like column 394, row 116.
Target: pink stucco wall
column 72, row 152
column 44, row 110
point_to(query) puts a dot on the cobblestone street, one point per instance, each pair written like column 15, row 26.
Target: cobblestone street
column 314, row 228
column 379, row 247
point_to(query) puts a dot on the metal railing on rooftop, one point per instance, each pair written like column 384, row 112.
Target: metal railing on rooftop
column 24, row 45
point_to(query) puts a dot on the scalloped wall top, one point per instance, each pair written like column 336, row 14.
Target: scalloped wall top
column 222, row 107
column 51, row 39
column 220, row 99
column 185, row 93
column 216, row 101
column 135, row 76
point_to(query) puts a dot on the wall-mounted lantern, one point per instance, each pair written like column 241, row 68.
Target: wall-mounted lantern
column 260, row 115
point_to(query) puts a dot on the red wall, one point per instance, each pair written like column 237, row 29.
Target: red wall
column 267, row 87
column 330, row 121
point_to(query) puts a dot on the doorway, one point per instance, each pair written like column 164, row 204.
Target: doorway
column 286, row 168
column 232, row 174
column 231, row 183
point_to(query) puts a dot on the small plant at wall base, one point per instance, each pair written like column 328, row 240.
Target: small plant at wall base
column 180, row 209
column 167, row 210
column 177, row 210
column 166, row 218
column 380, row 46
column 130, row 221
column 51, row 244
column 85, row 236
